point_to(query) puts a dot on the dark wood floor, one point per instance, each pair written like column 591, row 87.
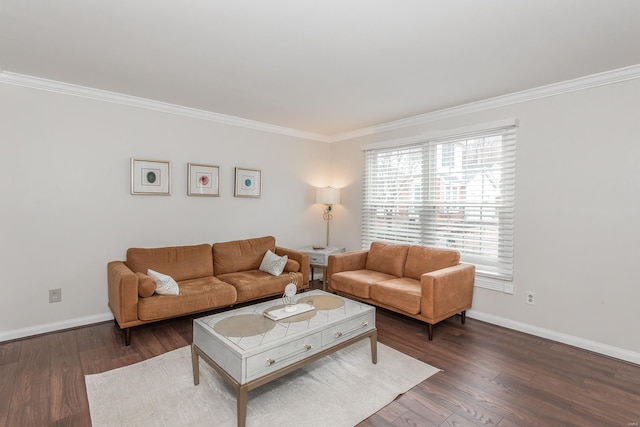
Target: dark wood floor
column 491, row 376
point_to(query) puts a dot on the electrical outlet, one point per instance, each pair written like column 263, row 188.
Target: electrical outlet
column 531, row 298
column 55, row 295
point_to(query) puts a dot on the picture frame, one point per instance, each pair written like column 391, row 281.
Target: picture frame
column 203, row 180
column 248, row 183
column 150, row 177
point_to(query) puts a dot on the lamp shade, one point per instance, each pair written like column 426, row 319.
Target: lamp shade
column 328, row 195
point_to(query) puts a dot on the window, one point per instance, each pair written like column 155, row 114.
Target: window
column 452, row 191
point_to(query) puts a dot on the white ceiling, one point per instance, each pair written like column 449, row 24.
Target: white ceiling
column 327, row 67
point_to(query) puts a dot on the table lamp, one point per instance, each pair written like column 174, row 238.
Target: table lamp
column 328, row 196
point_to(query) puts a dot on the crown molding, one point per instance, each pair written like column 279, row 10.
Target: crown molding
column 581, row 83
column 134, row 101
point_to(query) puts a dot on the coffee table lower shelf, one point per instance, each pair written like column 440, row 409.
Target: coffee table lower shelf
column 243, row 389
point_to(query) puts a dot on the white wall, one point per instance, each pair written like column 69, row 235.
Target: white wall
column 66, row 210
column 66, row 206
column 577, row 215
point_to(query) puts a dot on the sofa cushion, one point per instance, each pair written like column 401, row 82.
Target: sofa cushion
column 387, row 258
column 404, row 294
column 241, row 255
column 146, row 285
column 421, row 259
column 253, row 284
column 179, row 262
column 165, row 284
column 195, row 295
column 357, row 282
column 273, row 264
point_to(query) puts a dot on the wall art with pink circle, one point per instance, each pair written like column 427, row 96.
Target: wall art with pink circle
column 203, row 180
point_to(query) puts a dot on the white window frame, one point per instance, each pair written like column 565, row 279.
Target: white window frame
column 419, row 234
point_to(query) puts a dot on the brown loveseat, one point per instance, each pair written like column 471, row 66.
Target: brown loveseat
column 424, row 283
column 208, row 276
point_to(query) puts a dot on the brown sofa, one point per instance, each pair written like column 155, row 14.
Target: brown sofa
column 208, row 276
column 424, row 283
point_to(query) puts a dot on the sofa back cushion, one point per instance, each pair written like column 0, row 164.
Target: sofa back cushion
column 387, row 258
column 179, row 262
column 241, row 255
column 422, row 260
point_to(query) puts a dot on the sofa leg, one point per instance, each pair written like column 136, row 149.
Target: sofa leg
column 430, row 332
column 127, row 336
column 464, row 316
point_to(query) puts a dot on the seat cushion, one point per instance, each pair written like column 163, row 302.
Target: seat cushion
column 357, row 282
column 404, row 294
column 195, row 295
column 421, row 259
column 179, row 262
column 387, row 258
column 241, row 255
column 254, row 284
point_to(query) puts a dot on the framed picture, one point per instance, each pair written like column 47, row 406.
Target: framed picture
column 150, row 177
column 248, row 183
column 203, row 180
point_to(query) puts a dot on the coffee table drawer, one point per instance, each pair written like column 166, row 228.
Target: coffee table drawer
column 283, row 355
column 345, row 330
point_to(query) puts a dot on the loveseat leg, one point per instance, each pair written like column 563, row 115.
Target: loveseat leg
column 127, row 336
column 430, row 332
column 464, row 316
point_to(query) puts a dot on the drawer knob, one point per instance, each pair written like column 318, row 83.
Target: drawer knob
column 365, row 324
column 308, row 347
column 338, row 334
column 269, row 362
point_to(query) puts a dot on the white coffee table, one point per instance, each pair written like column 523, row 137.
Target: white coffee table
column 248, row 350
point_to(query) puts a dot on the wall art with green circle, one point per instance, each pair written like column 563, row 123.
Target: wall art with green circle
column 151, row 177
column 248, row 183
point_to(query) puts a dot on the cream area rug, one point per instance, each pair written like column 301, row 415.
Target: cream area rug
column 341, row 389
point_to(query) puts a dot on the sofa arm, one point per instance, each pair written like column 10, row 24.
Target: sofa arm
column 302, row 259
column 447, row 291
column 123, row 292
column 346, row 261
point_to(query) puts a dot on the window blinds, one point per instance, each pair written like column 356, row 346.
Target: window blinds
column 452, row 192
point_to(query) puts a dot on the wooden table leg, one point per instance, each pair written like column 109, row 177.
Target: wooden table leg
column 374, row 347
column 241, row 397
column 195, row 362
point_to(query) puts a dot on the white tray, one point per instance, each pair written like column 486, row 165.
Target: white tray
column 280, row 314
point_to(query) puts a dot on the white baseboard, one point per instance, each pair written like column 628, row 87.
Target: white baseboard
column 56, row 326
column 596, row 347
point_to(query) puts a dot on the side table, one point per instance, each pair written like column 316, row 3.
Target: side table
column 319, row 258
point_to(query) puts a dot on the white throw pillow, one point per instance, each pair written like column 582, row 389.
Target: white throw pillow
column 165, row 285
column 273, row 264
